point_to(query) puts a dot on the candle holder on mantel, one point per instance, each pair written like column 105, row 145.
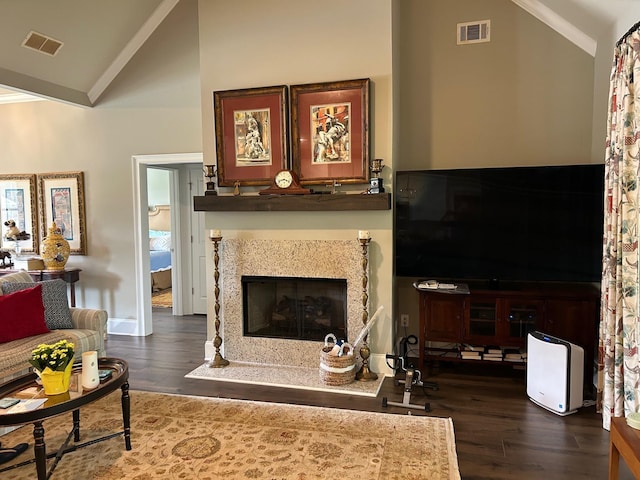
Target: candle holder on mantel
column 218, row 360
column 365, row 374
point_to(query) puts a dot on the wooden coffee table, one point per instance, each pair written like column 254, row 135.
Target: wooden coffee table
column 67, row 402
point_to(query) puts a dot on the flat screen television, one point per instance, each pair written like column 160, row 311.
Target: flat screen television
column 517, row 224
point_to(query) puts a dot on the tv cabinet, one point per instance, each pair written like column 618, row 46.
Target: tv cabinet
column 504, row 317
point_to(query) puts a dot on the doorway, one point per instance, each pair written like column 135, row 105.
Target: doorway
column 162, row 230
column 185, row 266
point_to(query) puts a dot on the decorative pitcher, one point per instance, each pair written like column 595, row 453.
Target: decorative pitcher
column 54, row 249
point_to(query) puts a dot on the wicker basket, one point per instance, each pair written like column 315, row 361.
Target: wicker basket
column 337, row 370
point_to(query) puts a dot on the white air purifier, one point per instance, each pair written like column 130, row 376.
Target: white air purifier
column 555, row 373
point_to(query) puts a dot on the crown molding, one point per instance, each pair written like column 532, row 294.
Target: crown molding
column 559, row 24
column 131, row 48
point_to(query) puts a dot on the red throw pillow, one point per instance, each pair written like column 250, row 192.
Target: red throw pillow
column 22, row 314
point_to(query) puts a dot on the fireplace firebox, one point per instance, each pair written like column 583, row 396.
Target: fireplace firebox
column 294, row 308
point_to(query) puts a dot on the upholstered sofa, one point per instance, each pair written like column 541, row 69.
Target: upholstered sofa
column 88, row 332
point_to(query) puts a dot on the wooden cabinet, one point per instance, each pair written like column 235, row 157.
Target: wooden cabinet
column 505, row 317
column 500, row 321
column 563, row 315
column 445, row 314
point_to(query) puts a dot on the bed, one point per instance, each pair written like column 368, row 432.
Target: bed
column 160, row 247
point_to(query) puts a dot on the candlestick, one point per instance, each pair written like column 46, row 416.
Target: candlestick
column 210, row 172
column 217, row 361
column 365, row 374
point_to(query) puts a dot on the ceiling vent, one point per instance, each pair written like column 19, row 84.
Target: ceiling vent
column 42, row 43
column 474, row 32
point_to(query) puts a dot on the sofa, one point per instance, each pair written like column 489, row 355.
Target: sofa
column 87, row 328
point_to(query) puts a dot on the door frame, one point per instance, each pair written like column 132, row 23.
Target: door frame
column 140, row 163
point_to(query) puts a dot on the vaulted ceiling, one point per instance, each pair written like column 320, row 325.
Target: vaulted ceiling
column 99, row 37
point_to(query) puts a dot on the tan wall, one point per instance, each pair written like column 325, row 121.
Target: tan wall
column 305, row 42
column 525, row 98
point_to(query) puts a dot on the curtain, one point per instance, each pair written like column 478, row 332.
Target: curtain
column 618, row 358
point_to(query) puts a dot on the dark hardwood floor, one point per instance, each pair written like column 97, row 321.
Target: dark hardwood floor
column 500, row 434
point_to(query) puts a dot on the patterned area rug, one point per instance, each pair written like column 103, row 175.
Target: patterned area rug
column 180, row 437
column 162, row 299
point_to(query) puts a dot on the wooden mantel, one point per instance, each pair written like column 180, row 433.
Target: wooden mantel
column 282, row 203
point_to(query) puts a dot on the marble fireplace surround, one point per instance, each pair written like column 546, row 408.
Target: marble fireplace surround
column 284, row 258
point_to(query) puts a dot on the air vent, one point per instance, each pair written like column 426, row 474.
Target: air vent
column 42, row 43
column 474, row 32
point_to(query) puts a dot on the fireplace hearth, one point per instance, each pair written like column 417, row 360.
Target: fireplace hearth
column 294, row 308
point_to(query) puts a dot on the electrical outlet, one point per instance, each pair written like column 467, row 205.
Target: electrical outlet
column 404, row 319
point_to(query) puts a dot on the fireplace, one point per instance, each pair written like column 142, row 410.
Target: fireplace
column 339, row 260
column 294, row 308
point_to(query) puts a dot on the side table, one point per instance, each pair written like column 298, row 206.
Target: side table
column 71, row 276
column 623, row 440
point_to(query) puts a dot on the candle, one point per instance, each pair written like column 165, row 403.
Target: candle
column 215, row 234
column 364, row 235
column 89, row 376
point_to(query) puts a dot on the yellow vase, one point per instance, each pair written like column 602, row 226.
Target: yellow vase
column 54, row 249
column 55, row 382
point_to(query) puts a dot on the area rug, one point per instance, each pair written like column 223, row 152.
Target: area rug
column 303, row 378
column 162, row 299
column 199, row 438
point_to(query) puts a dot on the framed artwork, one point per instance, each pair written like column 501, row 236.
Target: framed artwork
column 330, row 131
column 251, row 134
column 61, row 200
column 18, row 205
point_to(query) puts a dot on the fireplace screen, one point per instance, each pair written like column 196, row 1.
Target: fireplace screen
column 294, row 308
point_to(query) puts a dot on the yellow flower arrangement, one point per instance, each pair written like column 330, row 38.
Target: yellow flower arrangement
column 56, row 356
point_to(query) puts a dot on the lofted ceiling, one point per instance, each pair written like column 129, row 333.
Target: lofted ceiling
column 99, row 38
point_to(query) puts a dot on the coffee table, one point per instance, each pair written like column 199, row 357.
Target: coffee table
column 66, row 402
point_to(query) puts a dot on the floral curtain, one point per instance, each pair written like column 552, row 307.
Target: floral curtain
column 618, row 369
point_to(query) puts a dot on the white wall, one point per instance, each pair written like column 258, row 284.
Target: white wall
column 158, row 186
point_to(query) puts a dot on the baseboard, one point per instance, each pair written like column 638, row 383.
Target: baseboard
column 123, row 326
column 378, row 364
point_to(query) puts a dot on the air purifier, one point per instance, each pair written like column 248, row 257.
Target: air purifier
column 555, row 373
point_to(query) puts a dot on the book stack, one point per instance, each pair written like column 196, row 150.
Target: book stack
column 442, row 352
column 492, row 354
column 471, row 352
column 470, row 355
column 515, row 355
